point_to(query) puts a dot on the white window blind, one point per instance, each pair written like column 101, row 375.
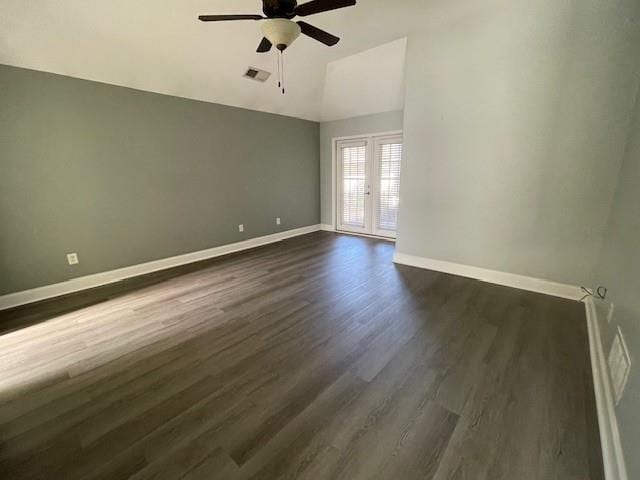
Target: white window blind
column 390, row 155
column 353, row 189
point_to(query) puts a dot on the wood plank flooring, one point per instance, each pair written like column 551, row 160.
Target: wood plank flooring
column 313, row 358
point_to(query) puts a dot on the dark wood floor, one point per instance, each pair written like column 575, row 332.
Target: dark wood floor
column 314, row 358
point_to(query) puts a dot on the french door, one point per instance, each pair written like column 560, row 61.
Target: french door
column 368, row 184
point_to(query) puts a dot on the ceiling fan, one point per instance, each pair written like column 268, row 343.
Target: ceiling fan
column 280, row 30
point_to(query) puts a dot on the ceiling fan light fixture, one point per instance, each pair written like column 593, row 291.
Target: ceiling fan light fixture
column 281, row 32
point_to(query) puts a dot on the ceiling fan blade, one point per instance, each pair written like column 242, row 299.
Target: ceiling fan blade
column 223, row 18
column 265, row 46
column 319, row 35
column 318, row 6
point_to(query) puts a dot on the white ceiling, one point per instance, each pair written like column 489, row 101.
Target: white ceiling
column 160, row 46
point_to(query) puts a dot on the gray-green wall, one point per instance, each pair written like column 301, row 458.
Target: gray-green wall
column 375, row 123
column 515, row 124
column 122, row 176
column 619, row 271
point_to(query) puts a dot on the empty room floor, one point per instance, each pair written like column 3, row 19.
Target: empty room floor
column 313, row 358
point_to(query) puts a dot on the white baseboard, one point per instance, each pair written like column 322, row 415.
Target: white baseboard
column 103, row 278
column 612, row 453
column 493, row 276
column 327, row 228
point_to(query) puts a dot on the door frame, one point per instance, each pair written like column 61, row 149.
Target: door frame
column 359, row 142
column 370, row 139
column 375, row 177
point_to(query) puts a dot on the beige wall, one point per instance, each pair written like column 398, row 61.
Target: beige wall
column 515, row 124
column 619, row 271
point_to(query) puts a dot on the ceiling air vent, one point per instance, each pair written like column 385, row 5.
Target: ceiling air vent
column 256, row 74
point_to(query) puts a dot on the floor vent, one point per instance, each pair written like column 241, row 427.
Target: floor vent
column 256, row 74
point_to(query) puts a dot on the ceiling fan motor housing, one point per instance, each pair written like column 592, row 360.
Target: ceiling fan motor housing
column 281, row 32
column 279, row 8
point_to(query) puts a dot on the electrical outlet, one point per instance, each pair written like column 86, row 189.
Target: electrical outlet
column 612, row 307
column 241, row 228
column 278, row 221
column 619, row 364
column 72, row 258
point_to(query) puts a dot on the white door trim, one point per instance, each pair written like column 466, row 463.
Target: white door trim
column 355, row 143
column 334, row 166
column 375, row 180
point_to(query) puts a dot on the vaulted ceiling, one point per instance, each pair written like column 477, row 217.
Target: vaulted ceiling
column 368, row 82
column 160, row 46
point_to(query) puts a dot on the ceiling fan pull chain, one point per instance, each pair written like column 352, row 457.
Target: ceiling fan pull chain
column 279, row 74
column 282, row 57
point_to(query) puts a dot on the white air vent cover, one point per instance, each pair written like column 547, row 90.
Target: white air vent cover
column 619, row 365
column 256, row 74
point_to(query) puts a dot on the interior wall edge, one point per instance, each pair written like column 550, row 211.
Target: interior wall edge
column 103, row 278
column 361, row 116
column 523, row 282
column 635, row 119
column 167, row 93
